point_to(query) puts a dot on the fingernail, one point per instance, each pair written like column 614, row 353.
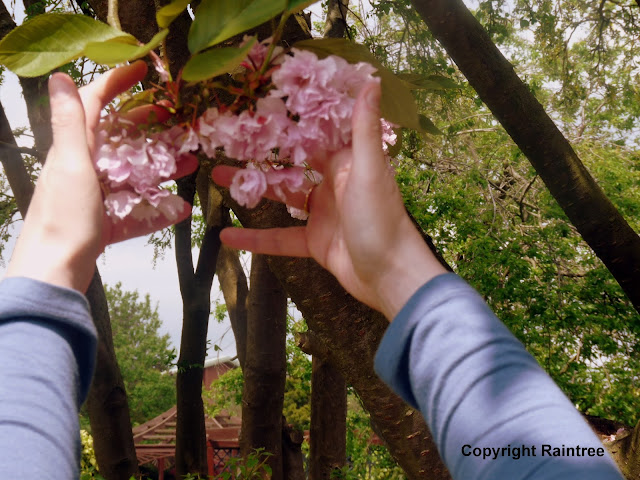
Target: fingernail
column 58, row 85
column 373, row 95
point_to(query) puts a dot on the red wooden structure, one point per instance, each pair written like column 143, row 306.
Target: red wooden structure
column 155, row 440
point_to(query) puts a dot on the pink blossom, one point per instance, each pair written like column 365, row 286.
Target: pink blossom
column 293, row 179
column 132, row 166
column 249, row 136
column 248, row 186
column 297, row 213
column 322, row 93
column 120, row 204
column 389, row 136
column 258, row 53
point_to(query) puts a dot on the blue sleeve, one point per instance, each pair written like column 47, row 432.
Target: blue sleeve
column 47, row 356
column 492, row 410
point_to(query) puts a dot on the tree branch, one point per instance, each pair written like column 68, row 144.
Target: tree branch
column 26, row 150
column 335, row 25
column 14, row 168
column 491, row 75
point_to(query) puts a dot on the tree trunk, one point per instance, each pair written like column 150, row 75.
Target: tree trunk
column 233, row 283
column 352, row 331
column 328, row 435
column 107, row 401
column 522, row 116
column 292, row 459
column 265, row 366
column 625, row 452
column 195, row 288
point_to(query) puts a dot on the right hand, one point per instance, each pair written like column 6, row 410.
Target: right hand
column 358, row 228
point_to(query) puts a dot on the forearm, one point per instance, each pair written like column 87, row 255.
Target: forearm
column 47, row 349
column 447, row 354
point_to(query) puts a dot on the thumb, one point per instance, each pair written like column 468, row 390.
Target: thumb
column 67, row 118
column 367, row 132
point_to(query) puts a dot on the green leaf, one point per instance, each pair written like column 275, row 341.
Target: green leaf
column 217, row 20
column 114, row 52
column 139, row 99
column 297, row 5
column 170, row 12
column 397, row 104
column 427, row 126
column 51, row 40
column 215, row 62
column 428, row 82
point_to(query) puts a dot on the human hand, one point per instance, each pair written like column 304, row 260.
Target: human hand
column 67, row 227
column 358, row 228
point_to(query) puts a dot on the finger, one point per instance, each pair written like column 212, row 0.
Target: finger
column 186, row 166
column 368, row 160
column 148, row 114
column 100, row 92
column 130, row 227
column 67, row 120
column 223, row 176
column 290, row 242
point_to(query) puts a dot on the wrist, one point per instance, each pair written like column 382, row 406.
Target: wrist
column 51, row 263
column 413, row 265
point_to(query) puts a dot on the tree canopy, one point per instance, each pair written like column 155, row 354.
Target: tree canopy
column 145, row 356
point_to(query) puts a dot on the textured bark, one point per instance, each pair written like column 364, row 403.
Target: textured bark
column 137, row 17
column 233, row 283
column 522, row 116
column 352, row 331
column 335, row 26
column 626, row 452
column 265, row 366
column 195, row 289
column 292, row 459
column 328, row 434
column 14, row 167
column 107, row 401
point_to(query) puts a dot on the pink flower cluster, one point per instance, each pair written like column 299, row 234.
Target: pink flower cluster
column 131, row 166
column 307, row 114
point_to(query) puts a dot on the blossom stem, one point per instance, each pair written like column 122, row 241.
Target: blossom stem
column 112, row 14
column 276, row 39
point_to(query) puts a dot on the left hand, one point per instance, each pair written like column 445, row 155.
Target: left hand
column 67, row 226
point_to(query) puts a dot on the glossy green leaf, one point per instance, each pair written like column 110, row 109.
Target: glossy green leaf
column 427, row 126
column 217, row 20
column 114, row 52
column 397, row 104
column 428, row 82
column 297, row 5
column 170, row 12
column 139, row 99
column 51, row 40
column 215, row 62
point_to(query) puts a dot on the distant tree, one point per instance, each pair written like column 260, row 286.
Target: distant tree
column 144, row 355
